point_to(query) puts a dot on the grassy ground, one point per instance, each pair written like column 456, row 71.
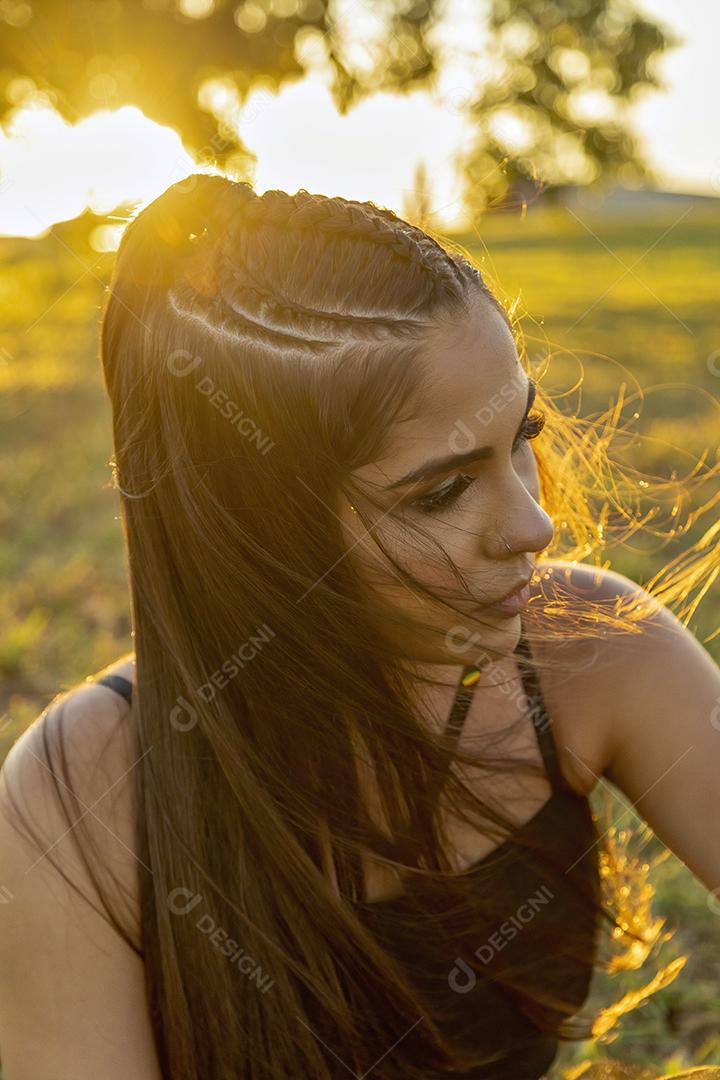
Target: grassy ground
column 652, row 327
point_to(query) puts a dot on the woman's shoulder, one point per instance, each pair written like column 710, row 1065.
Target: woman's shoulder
column 586, row 579
column 69, row 779
column 66, row 967
column 88, row 721
column 584, row 694
column 123, row 666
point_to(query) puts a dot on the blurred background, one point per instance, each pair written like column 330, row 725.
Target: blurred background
column 571, row 146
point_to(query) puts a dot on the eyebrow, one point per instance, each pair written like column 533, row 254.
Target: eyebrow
column 437, row 466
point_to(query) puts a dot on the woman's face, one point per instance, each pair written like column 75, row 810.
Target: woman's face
column 464, row 473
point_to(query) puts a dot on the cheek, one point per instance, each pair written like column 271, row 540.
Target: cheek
column 461, row 535
column 403, row 544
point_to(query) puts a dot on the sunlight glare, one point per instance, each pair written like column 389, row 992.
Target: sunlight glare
column 102, row 162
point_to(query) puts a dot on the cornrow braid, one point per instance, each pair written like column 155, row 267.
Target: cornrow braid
column 211, row 205
column 342, row 219
column 345, row 218
column 201, row 203
column 179, row 223
column 208, row 204
column 336, row 216
column 205, row 210
column 437, row 257
column 461, row 268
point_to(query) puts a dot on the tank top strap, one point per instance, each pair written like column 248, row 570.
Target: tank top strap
column 119, row 684
column 464, row 692
column 542, row 722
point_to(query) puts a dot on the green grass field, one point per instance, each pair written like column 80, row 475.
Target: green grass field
column 654, row 327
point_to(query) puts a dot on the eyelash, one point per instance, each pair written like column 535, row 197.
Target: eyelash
column 440, row 500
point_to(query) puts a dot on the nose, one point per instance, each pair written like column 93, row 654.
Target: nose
column 522, row 526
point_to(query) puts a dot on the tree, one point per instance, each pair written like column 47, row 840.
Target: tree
column 564, row 72
column 163, row 55
column 191, row 64
column 417, row 204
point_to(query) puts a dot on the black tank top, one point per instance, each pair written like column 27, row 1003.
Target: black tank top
column 532, row 921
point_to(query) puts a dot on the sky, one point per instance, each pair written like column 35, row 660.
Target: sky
column 371, row 153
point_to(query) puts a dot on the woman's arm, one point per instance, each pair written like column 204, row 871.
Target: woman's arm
column 663, row 738
column 72, row 993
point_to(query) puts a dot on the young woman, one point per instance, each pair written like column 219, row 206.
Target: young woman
column 331, row 815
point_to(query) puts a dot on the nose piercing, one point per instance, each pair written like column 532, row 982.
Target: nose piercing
column 353, row 508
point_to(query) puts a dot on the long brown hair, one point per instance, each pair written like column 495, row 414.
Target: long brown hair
column 257, row 350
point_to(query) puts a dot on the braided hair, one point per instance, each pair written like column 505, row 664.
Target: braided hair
column 208, row 214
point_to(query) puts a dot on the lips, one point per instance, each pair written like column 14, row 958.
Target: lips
column 515, row 600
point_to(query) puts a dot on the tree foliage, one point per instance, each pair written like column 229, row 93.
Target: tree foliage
column 557, row 73
column 555, row 107
column 85, row 55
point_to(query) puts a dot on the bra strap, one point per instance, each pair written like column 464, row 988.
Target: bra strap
column 119, row 684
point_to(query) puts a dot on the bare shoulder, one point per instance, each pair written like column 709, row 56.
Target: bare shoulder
column 67, row 780
column 65, row 967
column 124, row 666
column 598, row 672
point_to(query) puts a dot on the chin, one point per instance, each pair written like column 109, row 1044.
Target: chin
column 497, row 644
column 477, row 640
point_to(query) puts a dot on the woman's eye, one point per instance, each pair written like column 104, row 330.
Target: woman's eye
column 436, row 500
column 446, row 496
